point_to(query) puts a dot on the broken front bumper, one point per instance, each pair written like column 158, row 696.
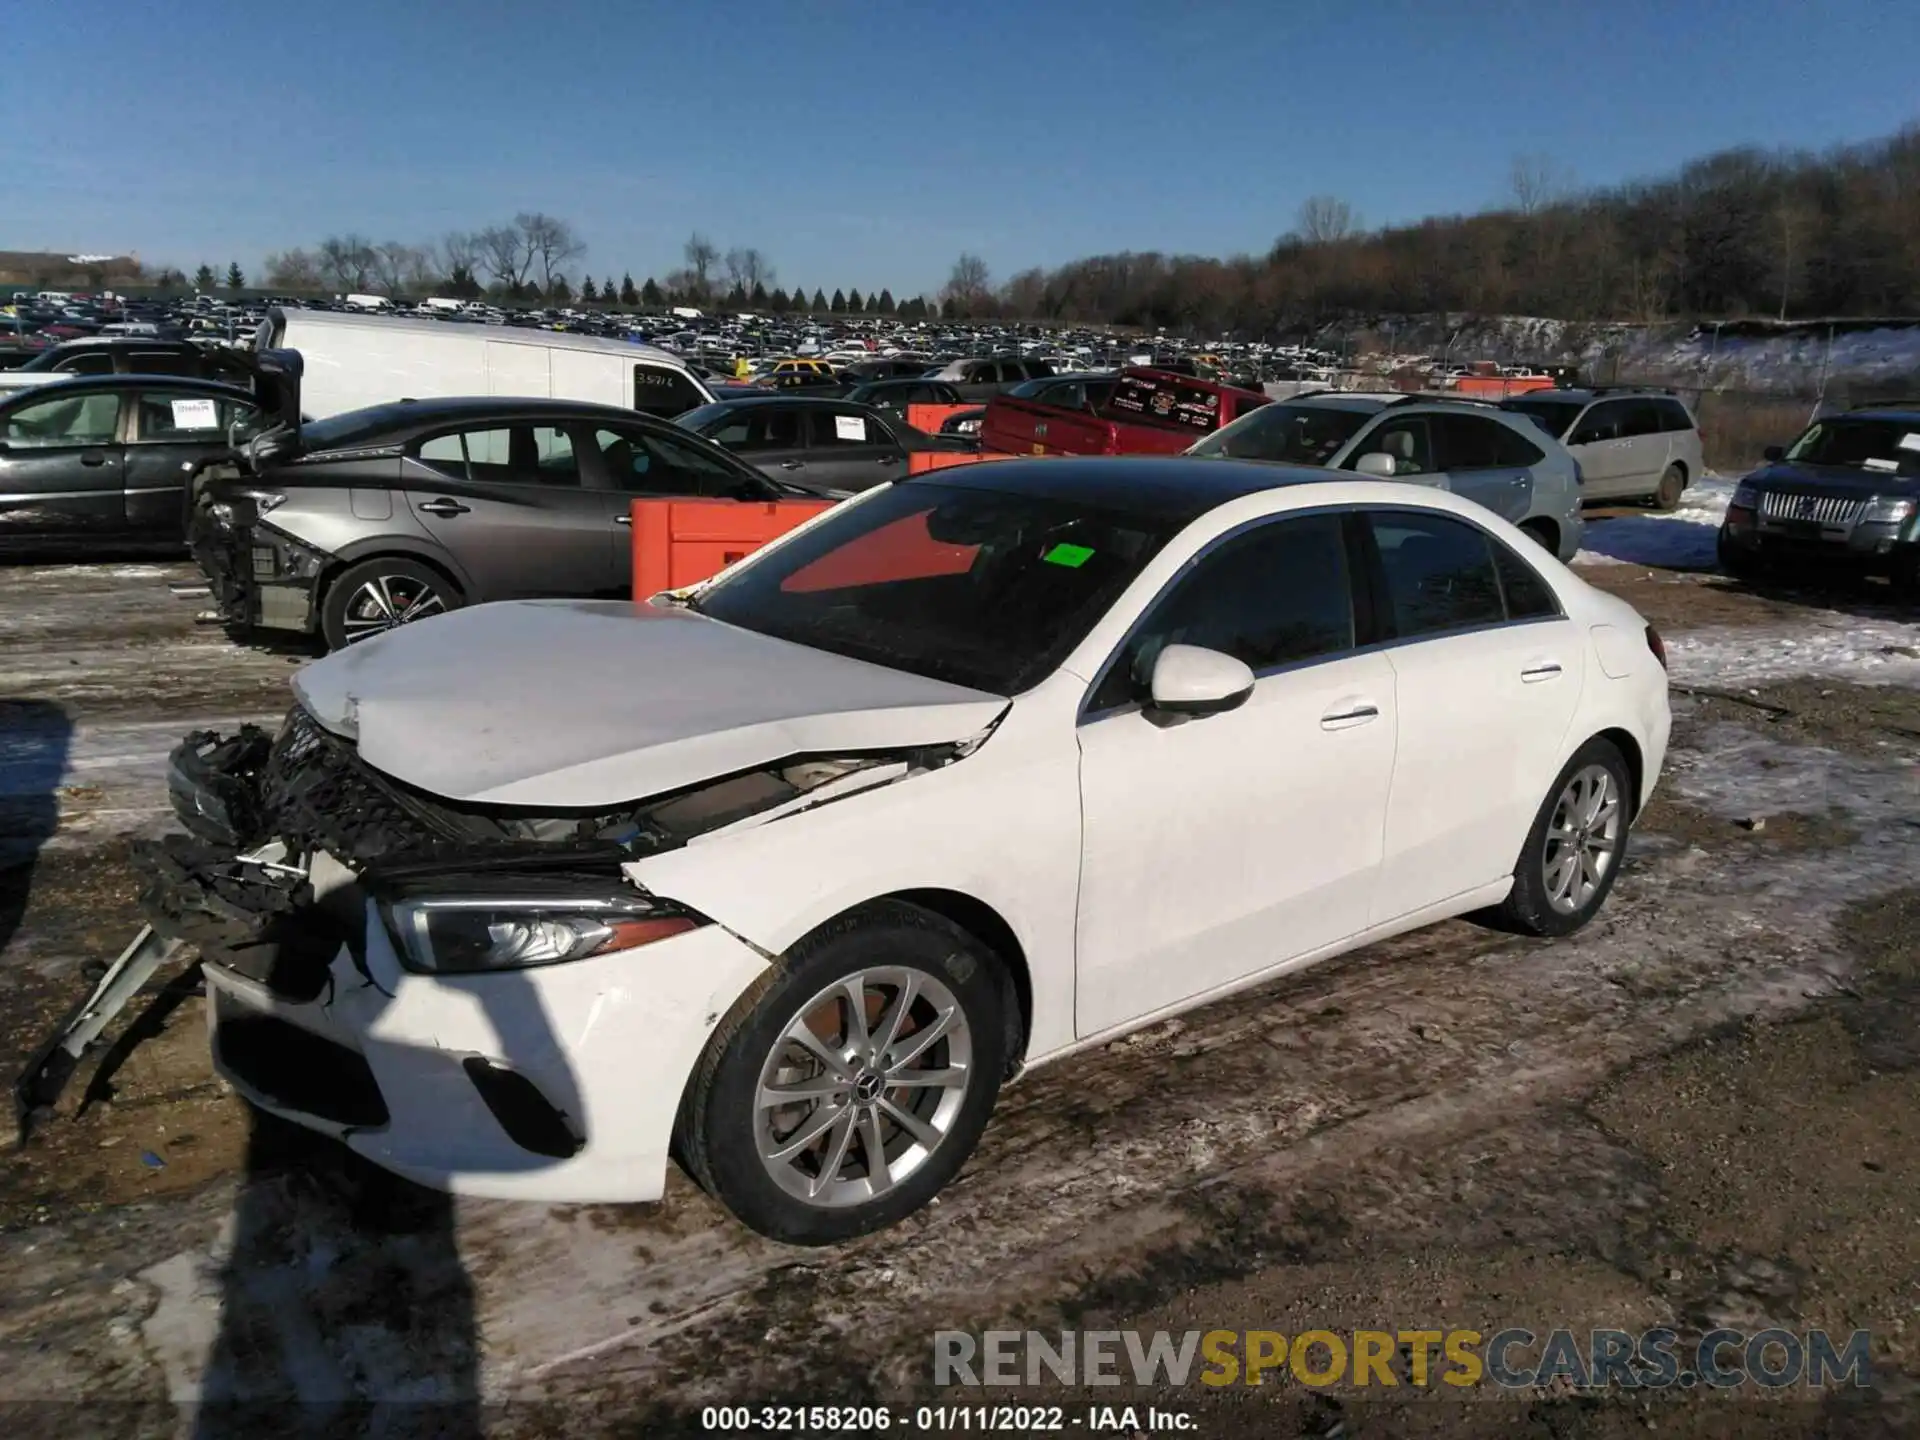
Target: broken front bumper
column 557, row 1083
column 260, row 578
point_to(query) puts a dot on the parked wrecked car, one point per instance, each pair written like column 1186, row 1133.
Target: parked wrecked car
column 349, row 526
column 784, row 879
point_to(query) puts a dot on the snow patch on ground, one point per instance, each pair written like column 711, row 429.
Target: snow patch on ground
column 1865, row 649
column 1682, row 539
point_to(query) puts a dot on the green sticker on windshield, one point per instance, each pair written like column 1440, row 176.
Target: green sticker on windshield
column 1071, row 556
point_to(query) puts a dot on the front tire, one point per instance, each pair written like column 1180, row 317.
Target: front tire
column 1574, row 851
column 379, row 595
column 852, row 1082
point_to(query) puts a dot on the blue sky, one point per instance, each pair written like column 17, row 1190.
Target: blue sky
column 867, row 144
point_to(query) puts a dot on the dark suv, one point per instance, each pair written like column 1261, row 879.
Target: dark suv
column 352, row 525
column 1846, row 492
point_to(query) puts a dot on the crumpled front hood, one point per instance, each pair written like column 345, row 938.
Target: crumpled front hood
column 562, row 704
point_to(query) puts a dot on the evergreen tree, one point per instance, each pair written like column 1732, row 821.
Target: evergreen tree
column 854, row 303
column 650, row 295
column 839, row 305
column 886, row 301
column 560, row 291
column 629, row 295
column 589, row 292
column 203, row 278
column 235, row 280
column 778, row 302
column 819, row 300
column 758, row 299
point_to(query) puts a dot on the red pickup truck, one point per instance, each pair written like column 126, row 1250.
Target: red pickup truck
column 1149, row 412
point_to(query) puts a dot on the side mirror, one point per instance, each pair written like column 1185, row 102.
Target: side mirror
column 1774, row 452
column 1191, row 680
column 1376, row 463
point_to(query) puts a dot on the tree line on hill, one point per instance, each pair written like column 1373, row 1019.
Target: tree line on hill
column 1739, row 233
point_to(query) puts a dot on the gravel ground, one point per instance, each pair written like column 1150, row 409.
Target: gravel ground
column 1701, row 1109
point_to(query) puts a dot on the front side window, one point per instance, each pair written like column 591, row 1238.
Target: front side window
column 979, row 587
column 188, row 417
column 658, row 390
column 1439, row 574
column 1288, row 434
column 1639, row 417
column 640, row 462
column 831, row 429
column 1407, row 442
column 67, row 420
column 1277, row 595
column 1466, row 442
column 1602, row 422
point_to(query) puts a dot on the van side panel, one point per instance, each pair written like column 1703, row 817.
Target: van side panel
column 518, row 370
column 601, row 379
column 348, row 367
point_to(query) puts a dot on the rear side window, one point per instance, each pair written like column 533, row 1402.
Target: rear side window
column 1601, row 422
column 161, row 362
column 1640, row 417
column 1278, row 595
column 1528, row 597
column 1514, row 449
column 554, row 462
column 658, row 390
column 1673, row 415
column 88, row 362
column 1439, row 574
column 1038, row 369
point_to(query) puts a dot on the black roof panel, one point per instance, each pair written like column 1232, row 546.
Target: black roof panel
column 1172, row 487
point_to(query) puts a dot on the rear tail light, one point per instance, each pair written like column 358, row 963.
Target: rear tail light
column 1657, row 646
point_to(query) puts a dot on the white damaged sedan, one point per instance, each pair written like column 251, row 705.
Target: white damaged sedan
column 785, row 878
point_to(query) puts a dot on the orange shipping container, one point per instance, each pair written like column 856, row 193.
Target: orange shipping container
column 681, row 542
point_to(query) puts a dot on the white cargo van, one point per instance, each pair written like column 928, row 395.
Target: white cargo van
column 351, row 361
column 368, row 302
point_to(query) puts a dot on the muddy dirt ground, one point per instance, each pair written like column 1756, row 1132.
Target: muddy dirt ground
column 1702, row 1110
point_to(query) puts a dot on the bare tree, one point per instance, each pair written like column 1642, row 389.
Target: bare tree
column 1537, row 182
column 503, row 254
column 460, row 250
column 748, row 268
column 292, row 270
column 551, row 242
column 701, row 253
column 393, row 264
column 968, row 283
column 1795, row 218
column 1325, row 219
column 347, row 261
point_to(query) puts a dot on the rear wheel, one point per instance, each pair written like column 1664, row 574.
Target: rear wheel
column 1673, row 484
column 1573, row 852
column 378, row 595
column 1543, row 534
column 851, row 1084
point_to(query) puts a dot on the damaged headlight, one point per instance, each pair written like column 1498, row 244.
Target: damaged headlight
column 463, row 934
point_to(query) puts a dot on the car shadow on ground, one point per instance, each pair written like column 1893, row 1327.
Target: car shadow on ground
column 36, row 737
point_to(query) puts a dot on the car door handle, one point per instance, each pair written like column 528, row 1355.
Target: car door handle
column 793, row 464
column 1540, row 670
column 1520, row 480
column 93, row 457
column 1356, row 713
column 623, row 519
column 442, row 507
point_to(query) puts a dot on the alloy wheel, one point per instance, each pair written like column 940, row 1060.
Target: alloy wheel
column 865, row 1083
column 384, row 601
column 1582, row 838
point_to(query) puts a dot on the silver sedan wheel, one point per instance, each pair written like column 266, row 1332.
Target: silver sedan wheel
column 384, row 601
column 1582, row 838
column 864, row 1084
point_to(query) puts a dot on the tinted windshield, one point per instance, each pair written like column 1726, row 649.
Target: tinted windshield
column 1295, row 434
column 1887, row 447
column 1552, row 416
column 981, row 588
